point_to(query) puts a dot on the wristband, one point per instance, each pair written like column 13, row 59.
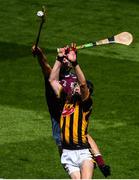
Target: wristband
column 74, row 64
column 99, row 160
column 60, row 59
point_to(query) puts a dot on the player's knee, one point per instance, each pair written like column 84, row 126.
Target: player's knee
column 75, row 175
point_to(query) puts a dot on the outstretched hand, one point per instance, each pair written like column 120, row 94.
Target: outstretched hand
column 72, row 52
column 63, row 51
column 68, row 53
column 72, row 55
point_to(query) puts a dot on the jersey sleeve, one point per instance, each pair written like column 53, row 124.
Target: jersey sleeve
column 87, row 104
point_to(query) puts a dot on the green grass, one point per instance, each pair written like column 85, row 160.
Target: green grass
column 27, row 149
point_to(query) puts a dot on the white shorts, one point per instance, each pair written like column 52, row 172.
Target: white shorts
column 72, row 159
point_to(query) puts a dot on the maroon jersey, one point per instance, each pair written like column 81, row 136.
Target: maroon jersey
column 56, row 108
column 67, row 82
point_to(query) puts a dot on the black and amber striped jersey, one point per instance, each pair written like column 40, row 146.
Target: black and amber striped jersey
column 74, row 124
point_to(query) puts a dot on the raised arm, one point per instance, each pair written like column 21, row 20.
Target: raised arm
column 79, row 73
column 54, row 78
column 46, row 68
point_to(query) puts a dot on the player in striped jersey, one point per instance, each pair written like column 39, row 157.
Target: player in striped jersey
column 76, row 156
column 67, row 80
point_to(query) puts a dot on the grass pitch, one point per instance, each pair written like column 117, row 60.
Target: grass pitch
column 27, row 149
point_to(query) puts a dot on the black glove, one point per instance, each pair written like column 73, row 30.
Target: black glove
column 106, row 170
column 36, row 51
column 60, row 58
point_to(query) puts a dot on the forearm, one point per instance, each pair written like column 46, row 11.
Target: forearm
column 82, row 82
column 55, row 71
column 46, row 69
column 105, row 169
column 80, row 75
column 54, row 78
column 42, row 60
column 94, row 148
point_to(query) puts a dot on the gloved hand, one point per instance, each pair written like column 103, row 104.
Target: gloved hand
column 36, row 51
column 106, row 170
column 68, row 53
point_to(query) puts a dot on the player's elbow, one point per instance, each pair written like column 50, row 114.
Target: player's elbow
column 83, row 83
column 51, row 81
column 51, row 78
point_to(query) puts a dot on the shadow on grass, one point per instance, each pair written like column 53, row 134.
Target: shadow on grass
column 9, row 50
